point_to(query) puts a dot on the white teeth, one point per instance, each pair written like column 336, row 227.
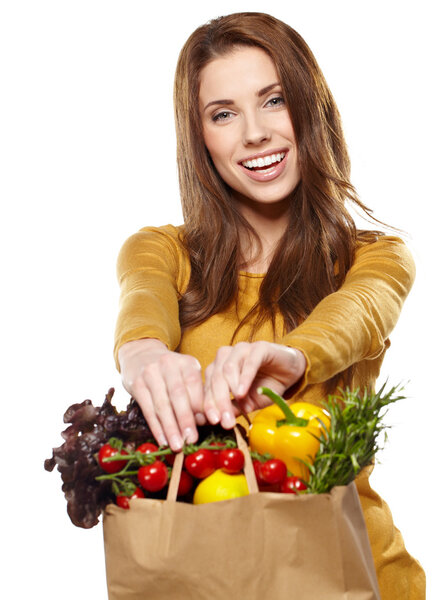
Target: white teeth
column 263, row 161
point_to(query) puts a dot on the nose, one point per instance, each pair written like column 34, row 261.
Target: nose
column 255, row 131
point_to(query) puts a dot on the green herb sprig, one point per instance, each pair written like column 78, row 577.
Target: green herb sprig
column 353, row 438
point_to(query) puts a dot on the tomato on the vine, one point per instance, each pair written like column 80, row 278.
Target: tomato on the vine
column 115, row 466
column 273, row 471
column 231, row 460
column 257, row 471
column 147, row 448
column 216, row 452
column 292, row 485
column 153, row 477
column 200, row 464
column 185, row 483
column 123, row 501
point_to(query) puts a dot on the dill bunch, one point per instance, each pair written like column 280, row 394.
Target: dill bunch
column 353, row 438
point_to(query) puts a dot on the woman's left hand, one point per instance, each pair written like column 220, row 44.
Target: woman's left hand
column 239, row 370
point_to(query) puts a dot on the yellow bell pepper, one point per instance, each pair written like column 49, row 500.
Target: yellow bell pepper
column 289, row 432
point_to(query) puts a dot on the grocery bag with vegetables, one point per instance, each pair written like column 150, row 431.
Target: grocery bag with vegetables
column 297, row 453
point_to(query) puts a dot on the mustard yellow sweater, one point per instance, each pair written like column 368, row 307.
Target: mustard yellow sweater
column 349, row 327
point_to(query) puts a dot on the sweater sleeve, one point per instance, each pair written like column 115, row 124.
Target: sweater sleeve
column 353, row 323
column 152, row 272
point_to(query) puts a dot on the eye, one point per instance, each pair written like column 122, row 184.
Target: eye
column 276, row 101
column 221, row 116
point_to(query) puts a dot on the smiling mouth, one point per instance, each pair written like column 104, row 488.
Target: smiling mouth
column 263, row 163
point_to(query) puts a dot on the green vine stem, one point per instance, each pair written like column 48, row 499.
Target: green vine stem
column 142, row 459
column 148, row 458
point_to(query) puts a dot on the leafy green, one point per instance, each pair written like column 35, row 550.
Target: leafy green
column 353, row 438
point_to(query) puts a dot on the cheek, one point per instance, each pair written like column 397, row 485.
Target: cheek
column 218, row 145
column 284, row 127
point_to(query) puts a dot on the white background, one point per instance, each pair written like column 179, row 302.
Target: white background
column 87, row 157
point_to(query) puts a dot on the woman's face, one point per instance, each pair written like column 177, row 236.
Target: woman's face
column 247, row 127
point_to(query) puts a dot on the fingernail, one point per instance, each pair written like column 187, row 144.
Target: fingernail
column 162, row 441
column 200, row 418
column 189, row 436
column 241, row 391
column 228, row 420
column 213, row 416
column 176, row 443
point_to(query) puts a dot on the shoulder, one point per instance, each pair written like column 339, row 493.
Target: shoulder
column 387, row 253
column 384, row 246
column 166, row 238
column 155, row 245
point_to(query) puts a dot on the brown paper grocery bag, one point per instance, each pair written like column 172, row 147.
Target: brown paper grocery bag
column 265, row 545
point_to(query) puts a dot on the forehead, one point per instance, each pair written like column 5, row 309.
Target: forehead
column 242, row 69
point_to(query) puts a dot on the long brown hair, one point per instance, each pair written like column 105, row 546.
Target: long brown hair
column 317, row 249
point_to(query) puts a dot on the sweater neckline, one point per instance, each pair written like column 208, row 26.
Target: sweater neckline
column 252, row 275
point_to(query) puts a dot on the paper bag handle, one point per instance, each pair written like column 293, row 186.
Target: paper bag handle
column 249, row 473
column 173, row 487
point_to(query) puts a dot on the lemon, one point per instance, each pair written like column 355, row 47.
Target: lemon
column 220, row 486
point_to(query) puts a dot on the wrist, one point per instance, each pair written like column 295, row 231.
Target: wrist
column 130, row 349
column 300, row 369
column 299, row 363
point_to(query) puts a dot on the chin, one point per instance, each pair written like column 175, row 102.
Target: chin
column 271, row 198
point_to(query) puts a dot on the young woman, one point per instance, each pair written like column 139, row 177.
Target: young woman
column 268, row 282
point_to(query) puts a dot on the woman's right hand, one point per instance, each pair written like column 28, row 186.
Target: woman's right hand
column 168, row 388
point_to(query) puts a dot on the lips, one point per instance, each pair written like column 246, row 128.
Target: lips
column 263, row 162
column 265, row 166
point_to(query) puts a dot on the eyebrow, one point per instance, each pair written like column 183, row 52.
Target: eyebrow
column 259, row 94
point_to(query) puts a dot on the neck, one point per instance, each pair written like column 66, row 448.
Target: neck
column 269, row 222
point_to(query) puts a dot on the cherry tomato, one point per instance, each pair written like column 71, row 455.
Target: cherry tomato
column 201, row 463
column 185, row 483
column 113, row 466
column 292, row 485
column 273, row 471
column 123, row 501
column 257, row 470
column 231, row 460
column 147, row 447
column 153, row 477
column 216, row 453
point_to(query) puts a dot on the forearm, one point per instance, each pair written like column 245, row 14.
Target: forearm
column 354, row 323
column 151, row 280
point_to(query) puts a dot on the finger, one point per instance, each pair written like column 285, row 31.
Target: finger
column 200, row 419
column 192, row 377
column 261, row 400
column 155, row 381
column 242, row 407
column 210, row 409
column 144, row 400
column 233, row 364
column 255, row 359
column 178, row 393
column 219, row 395
column 247, row 404
column 218, row 392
